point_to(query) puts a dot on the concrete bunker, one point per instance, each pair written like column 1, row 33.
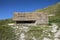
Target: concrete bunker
column 30, row 18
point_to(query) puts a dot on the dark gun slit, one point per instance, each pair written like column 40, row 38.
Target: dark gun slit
column 18, row 22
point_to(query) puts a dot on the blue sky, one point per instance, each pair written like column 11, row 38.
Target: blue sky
column 8, row 7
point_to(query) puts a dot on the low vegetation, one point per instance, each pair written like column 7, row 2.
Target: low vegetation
column 6, row 32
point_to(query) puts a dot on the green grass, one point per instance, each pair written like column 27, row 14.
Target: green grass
column 37, row 31
column 6, row 32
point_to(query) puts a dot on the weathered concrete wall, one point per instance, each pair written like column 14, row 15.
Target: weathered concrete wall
column 25, row 16
column 43, row 19
column 40, row 17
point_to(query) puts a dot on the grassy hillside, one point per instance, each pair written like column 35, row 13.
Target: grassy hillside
column 6, row 32
column 6, row 21
column 53, row 9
